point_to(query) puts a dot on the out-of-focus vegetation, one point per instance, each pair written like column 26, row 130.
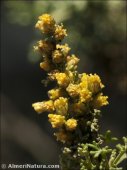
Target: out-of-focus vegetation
column 97, row 32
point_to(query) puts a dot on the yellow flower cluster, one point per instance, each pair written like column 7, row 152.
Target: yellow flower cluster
column 89, row 85
column 55, row 93
column 46, row 65
column 62, row 79
column 73, row 90
column 75, row 94
column 85, row 95
column 46, row 106
column 71, row 124
column 100, row 101
column 72, row 62
column 64, row 49
column 61, row 106
column 45, row 47
column 46, row 23
column 59, row 55
column 92, row 82
column 60, row 32
column 56, row 120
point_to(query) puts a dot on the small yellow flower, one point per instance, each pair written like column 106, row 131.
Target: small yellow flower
column 62, row 79
column 84, row 81
column 73, row 90
column 57, row 56
column 71, row 124
column 85, row 95
column 46, row 23
column 71, row 76
column 72, row 62
column 52, row 74
column 46, row 65
column 61, row 106
column 63, row 48
column 94, row 83
column 45, row 47
column 55, row 93
column 62, row 136
column 45, row 106
column 60, row 32
column 100, row 100
column 56, row 121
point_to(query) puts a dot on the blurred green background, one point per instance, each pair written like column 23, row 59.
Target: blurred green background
column 96, row 34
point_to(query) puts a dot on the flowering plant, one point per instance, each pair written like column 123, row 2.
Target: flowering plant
column 74, row 105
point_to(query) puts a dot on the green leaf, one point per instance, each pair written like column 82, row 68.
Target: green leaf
column 124, row 156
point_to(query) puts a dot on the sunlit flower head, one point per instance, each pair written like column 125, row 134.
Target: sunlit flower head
column 72, row 62
column 45, row 106
column 44, row 47
column 57, row 56
column 100, row 101
column 60, row 32
column 62, row 79
column 46, row 23
column 46, row 65
column 55, row 93
column 61, row 106
column 73, row 90
column 71, row 124
column 63, row 48
column 94, row 83
column 56, row 121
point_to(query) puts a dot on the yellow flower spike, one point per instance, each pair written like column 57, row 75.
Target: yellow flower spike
column 62, row 79
column 55, row 93
column 60, row 32
column 100, row 101
column 45, row 106
column 61, row 106
column 73, row 90
column 74, row 103
column 94, row 83
column 83, row 88
column 56, row 121
column 71, row 124
column 46, row 23
column 61, row 136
